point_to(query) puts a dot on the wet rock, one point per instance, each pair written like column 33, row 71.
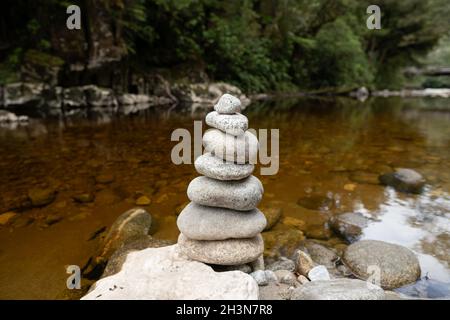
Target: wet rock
column 321, row 254
column 319, row 273
column 349, row 225
column 282, row 264
column 426, row 288
column 210, row 223
column 364, row 177
column 22, row 221
column 275, row 291
column 9, row 117
column 7, row 217
column 104, row 178
column 84, row 197
column 22, row 93
column 154, row 273
column 53, row 218
column 404, row 180
column 292, row 222
column 273, row 213
column 134, row 223
column 234, row 124
column 74, row 97
column 260, row 277
column 338, row 289
column 40, row 197
column 304, row 263
column 143, row 201
column 398, row 265
column 240, row 195
column 216, row 168
column 242, row 149
column 282, row 242
column 223, row 252
column 207, row 94
column 99, row 97
column 316, row 202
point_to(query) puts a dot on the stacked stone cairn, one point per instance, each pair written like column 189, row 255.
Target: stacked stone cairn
column 221, row 225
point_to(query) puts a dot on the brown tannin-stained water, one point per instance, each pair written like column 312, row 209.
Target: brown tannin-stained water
column 331, row 152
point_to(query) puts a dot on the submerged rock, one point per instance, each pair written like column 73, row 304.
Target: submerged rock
column 404, row 180
column 349, row 225
column 128, row 226
column 398, row 265
column 282, row 242
column 165, row 274
column 338, row 289
column 41, row 196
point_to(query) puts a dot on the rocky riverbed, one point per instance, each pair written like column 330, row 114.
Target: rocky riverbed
column 66, row 179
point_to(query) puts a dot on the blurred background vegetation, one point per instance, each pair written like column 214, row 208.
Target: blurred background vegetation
column 259, row 45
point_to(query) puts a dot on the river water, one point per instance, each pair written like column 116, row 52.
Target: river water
column 330, row 149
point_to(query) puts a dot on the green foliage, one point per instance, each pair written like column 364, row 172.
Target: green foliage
column 9, row 67
column 260, row 45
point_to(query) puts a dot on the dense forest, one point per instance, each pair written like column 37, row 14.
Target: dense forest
column 259, row 45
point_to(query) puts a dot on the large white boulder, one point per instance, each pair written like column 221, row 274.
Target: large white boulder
column 164, row 273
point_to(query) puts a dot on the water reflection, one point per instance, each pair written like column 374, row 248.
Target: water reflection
column 331, row 153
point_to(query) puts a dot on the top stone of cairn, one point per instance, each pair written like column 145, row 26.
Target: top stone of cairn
column 228, row 104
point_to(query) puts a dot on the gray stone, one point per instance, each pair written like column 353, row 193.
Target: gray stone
column 208, row 223
column 404, row 180
column 166, row 274
column 282, row 264
column 319, row 273
column 21, row 93
column 228, row 104
column 338, row 289
column 398, row 265
column 270, row 275
column 241, row 149
column 321, row 254
column 223, row 252
column 234, row 124
column 260, row 277
column 220, row 169
column 240, row 195
column 349, row 225
column 286, row 277
column 275, row 291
